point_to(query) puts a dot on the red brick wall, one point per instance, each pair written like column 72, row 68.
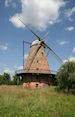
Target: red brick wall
column 34, row 85
column 39, row 63
column 32, row 81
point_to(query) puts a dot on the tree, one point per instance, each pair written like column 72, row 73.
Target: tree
column 1, row 79
column 6, row 78
column 66, row 75
column 16, row 80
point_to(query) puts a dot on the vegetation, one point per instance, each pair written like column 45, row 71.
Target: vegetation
column 16, row 101
column 6, row 79
column 66, row 76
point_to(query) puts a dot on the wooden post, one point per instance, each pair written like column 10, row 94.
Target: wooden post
column 23, row 54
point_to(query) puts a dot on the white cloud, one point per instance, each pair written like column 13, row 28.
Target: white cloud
column 63, row 42
column 70, row 28
column 20, row 67
column 39, row 13
column 4, row 47
column 0, row 74
column 57, row 21
column 7, row 70
column 73, row 50
column 15, row 66
column 9, row 3
column 69, row 12
column 71, row 58
column 25, row 56
column 16, row 22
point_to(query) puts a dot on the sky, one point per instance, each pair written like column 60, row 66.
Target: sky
column 54, row 16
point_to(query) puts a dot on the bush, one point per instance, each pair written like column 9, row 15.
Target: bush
column 66, row 75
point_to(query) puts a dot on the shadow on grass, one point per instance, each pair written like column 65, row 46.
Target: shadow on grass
column 65, row 91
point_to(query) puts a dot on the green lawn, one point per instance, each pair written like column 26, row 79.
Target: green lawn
column 21, row 102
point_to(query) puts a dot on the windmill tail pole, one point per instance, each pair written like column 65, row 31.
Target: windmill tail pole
column 23, row 54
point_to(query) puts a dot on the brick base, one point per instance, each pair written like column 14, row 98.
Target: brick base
column 37, row 81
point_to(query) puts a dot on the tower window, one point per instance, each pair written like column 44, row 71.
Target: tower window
column 37, row 61
column 37, row 69
column 42, row 53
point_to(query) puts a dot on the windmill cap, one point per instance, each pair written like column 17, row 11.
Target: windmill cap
column 36, row 42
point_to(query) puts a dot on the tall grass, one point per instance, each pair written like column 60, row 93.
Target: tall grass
column 21, row 102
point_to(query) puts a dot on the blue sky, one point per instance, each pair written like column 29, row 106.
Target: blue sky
column 55, row 16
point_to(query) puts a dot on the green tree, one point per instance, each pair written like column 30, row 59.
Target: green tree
column 16, row 80
column 66, row 75
column 6, row 78
column 1, row 79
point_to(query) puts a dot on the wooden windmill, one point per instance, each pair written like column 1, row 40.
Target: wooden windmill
column 36, row 71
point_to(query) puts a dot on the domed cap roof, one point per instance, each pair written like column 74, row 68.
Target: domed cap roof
column 36, row 42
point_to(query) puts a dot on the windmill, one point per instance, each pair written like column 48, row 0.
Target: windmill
column 36, row 71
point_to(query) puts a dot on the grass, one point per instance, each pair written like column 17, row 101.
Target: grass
column 21, row 102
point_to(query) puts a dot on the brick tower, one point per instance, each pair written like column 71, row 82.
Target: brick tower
column 37, row 61
column 36, row 72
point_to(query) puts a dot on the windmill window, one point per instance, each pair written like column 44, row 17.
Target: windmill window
column 37, row 69
column 42, row 53
column 37, row 61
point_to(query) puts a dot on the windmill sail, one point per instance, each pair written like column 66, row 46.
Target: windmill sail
column 30, row 29
column 35, row 53
column 53, row 53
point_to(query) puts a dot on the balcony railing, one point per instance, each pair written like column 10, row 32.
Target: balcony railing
column 38, row 71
